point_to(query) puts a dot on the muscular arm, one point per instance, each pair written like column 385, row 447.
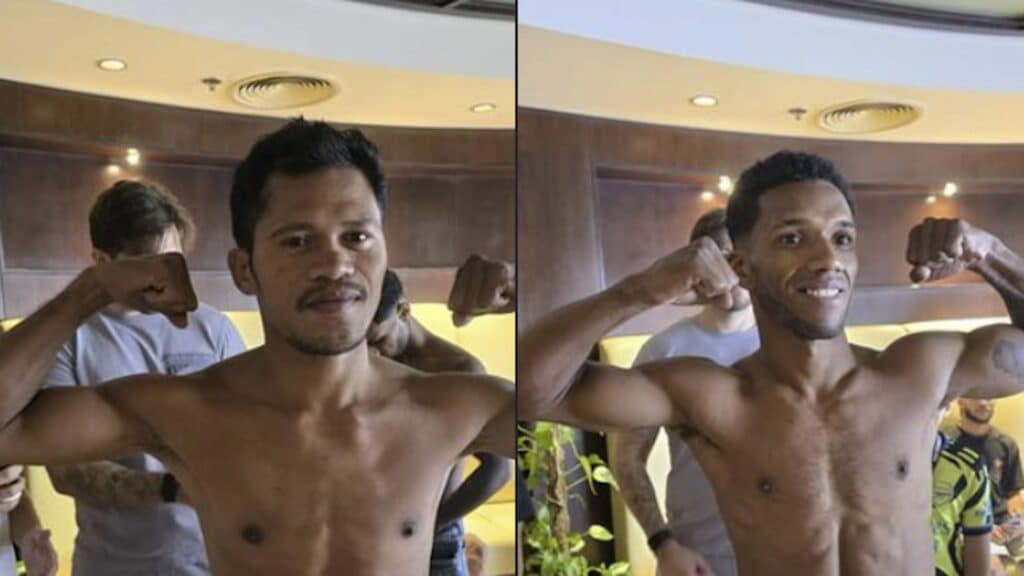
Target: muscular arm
column 629, row 453
column 976, row 555
column 989, row 361
column 555, row 381
column 992, row 360
column 107, row 485
column 60, row 426
column 482, row 483
column 430, row 353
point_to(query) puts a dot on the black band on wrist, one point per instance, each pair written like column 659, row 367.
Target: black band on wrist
column 659, row 538
column 169, row 488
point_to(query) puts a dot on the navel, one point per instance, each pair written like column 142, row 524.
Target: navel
column 765, row 486
column 253, row 534
column 902, row 468
column 409, row 528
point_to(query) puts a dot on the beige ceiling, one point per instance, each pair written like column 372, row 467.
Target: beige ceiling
column 573, row 74
column 57, row 45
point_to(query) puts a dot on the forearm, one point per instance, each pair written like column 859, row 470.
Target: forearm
column 976, row 555
column 23, row 519
column 1004, row 270
column 553, row 351
column 107, row 485
column 628, row 461
column 27, row 351
column 484, row 482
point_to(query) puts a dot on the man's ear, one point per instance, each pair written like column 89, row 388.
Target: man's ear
column 403, row 309
column 240, row 263
column 99, row 256
column 741, row 267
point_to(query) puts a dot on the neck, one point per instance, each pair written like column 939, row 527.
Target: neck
column 808, row 366
column 308, row 382
column 716, row 319
column 974, row 428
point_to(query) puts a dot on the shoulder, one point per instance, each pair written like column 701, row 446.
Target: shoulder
column 964, row 457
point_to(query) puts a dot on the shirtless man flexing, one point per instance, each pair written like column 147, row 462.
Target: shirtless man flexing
column 818, row 450
column 269, row 444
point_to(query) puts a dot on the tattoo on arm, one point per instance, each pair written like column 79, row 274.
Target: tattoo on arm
column 107, row 485
column 634, row 483
column 1009, row 358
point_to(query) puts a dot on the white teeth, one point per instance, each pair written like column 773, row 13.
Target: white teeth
column 823, row 292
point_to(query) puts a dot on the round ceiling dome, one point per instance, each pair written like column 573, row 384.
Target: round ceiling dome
column 867, row 116
column 283, row 90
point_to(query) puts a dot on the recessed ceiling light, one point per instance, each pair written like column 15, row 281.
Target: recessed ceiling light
column 132, row 156
column 931, row 199
column 707, row 196
column 482, row 107
column 725, row 184
column 704, row 100
column 112, row 64
column 113, row 169
column 950, row 189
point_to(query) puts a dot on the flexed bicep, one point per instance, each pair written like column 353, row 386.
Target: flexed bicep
column 664, row 393
column 991, row 363
column 68, row 425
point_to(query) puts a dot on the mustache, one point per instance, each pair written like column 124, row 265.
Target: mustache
column 332, row 291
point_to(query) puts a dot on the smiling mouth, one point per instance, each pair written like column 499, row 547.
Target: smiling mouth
column 822, row 293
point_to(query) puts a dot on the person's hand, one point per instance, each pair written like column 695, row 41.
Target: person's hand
column 151, row 284
column 12, row 486
column 674, row 559
column 941, row 247
column 38, row 553
column 482, row 286
column 696, row 274
column 1002, row 533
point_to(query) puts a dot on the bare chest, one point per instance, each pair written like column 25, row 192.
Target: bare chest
column 846, row 473
column 316, row 496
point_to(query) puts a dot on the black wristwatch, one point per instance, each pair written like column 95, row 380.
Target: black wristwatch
column 659, row 538
column 169, row 488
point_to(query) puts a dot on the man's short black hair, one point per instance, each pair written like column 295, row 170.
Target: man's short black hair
column 712, row 225
column 132, row 216
column 299, row 147
column 780, row 168
column 390, row 293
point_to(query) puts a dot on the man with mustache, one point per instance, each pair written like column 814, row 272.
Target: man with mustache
column 270, row 443
column 818, row 450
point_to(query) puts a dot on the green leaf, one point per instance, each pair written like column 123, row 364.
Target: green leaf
column 598, row 532
column 619, row 569
column 604, row 475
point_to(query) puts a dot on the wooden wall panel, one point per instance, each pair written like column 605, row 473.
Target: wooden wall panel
column 453, row 191
column 635, row 184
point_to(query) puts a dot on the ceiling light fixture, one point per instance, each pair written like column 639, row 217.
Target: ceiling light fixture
column 725, row 185
column 931, row 199
column 112, row 64
column 113, row 169
column 950, row 189
column 132, row 156
column 483, row 107
column 704, row 100
column 707, row 196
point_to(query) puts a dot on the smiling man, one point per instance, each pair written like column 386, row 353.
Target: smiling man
column 269, row 444
column 818, row 450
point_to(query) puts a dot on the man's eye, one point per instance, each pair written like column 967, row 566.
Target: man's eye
column 844, row 240
column 295, row 242
column 356, row 237
column 789, row 239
